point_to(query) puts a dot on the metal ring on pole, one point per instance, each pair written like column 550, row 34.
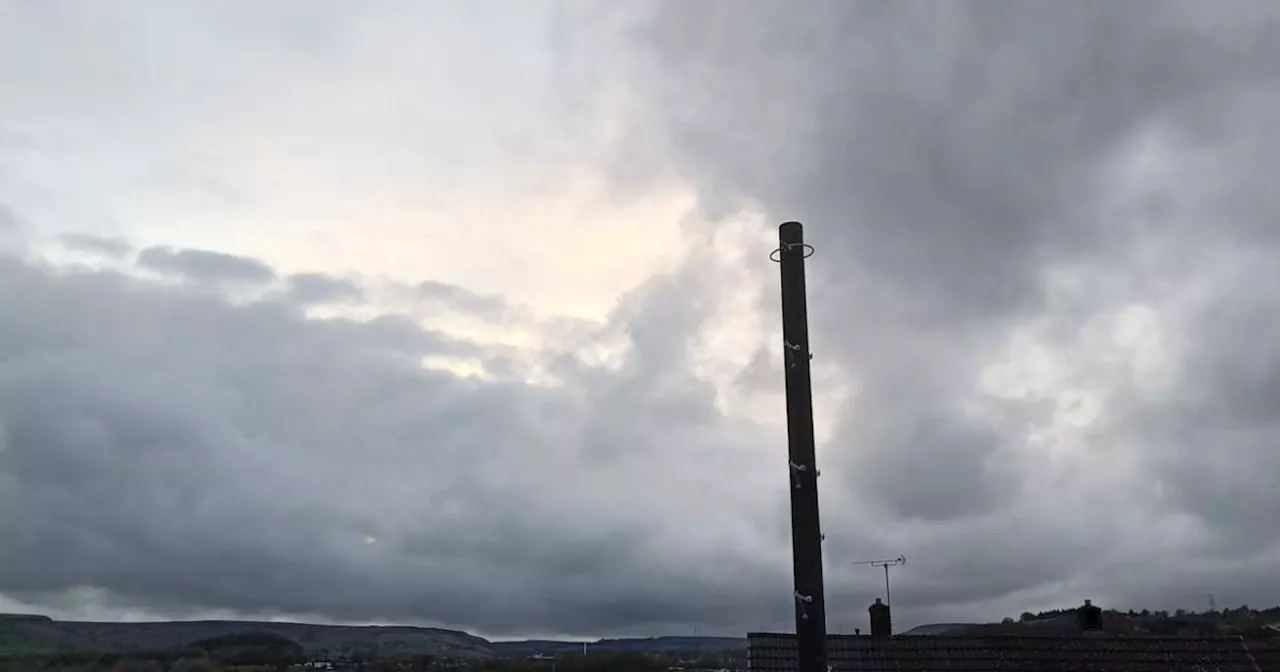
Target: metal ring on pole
column 776, row 255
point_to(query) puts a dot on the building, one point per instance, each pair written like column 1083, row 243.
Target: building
column 770, row 652
column 1090, row 648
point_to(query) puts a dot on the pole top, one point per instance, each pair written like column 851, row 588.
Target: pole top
column 791, row 237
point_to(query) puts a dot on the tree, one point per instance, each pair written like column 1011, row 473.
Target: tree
column 253, row 648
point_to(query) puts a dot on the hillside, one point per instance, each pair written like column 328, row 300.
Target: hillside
column 1240, row 621
column 39, row 633
column 939, row 628
column 28, row 633
column 666, row 645
column 22, row 632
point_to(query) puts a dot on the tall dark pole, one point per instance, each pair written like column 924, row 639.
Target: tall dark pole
column 806, row 532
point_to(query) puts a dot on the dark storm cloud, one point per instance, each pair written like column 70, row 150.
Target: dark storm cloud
column 205, row 265
column 948, row 157
column 183, row 452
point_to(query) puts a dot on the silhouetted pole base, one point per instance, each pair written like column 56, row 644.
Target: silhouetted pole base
column 806, row 530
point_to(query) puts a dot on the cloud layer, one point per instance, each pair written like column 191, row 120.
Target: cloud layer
column 187, row 452
column 1041, row 235
column 1043, row 307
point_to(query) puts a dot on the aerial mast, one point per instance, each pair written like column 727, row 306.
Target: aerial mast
column 900, row 560
column 806, row 531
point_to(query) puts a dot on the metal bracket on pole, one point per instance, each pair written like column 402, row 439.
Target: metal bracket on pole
column 776, row 255
column 802, row 600
column 792, row 351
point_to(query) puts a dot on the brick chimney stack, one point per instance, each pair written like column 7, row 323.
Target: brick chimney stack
column 881, row 620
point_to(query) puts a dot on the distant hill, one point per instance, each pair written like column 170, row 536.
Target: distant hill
column 939, row 628
column 666, row 645
column 22, row 633
column 29, row 633
column 39, row 634
column 1240, row 621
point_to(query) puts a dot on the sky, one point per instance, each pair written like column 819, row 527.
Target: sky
column 461, row 314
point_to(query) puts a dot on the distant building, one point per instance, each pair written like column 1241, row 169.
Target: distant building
column 773, row 652
column 1086, row 647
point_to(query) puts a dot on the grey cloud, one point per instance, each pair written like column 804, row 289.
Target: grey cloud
column 1208, row 439
column 205, row 265
column 760, row 373
column 84, row 242
column 321, row 288
column 958, row 168
column 980, row 140
column 949, row 160
column 185, row 453
column 954, row 458
column 8, row 220
column 657, row 387
column 463, row 300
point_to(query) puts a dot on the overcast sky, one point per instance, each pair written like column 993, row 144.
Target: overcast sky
column 461, row 313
